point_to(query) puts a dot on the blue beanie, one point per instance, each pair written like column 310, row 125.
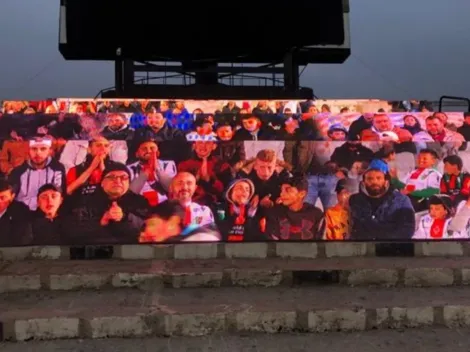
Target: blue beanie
column 378, row 165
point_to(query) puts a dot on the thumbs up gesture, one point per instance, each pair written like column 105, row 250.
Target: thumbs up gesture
column 115, row 212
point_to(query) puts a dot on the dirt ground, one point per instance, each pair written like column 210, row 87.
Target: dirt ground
column 429, row 340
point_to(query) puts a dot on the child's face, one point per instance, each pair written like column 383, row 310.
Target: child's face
column 206, row 128
column 426, row 160
column 290, row 195
column 450, row 169
column 437, row 211
column 159, row 230
column 251, row 124
column 225, row 133
column 241, row 193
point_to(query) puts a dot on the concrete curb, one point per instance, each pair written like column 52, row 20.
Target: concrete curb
column 161, row 324
column 414, row 277
column 245, row 250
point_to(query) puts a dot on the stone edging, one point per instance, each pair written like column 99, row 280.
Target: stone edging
column 413, row 277
column 161, row 324
column 253, row 250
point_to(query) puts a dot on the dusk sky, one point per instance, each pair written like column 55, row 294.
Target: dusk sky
column 400, row 49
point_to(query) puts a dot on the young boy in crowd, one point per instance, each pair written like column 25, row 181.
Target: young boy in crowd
column 455, row 182
column 444, row 220
column 337, row 217
column 292, row 218
column 422, row 183
column 241, row 222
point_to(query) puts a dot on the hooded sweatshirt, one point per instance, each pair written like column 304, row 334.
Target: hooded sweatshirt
column 27, row 180
column 241, row 222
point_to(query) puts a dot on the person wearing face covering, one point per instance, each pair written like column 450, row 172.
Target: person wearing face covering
column 378, row 211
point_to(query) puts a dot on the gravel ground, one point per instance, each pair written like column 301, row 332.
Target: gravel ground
column 428, row 340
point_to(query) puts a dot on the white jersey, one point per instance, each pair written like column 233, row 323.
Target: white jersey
column 152, row 190
column 201, row 215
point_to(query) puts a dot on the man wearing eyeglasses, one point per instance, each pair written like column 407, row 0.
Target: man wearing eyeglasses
column 113, row 215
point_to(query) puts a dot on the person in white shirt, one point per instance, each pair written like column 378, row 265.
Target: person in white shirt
column 443, row 220
column 421, row 183
column 157, row 173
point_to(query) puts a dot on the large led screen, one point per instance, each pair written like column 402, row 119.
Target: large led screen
column 93, row 172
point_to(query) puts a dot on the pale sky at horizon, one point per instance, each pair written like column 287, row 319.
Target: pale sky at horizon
column 400, row 49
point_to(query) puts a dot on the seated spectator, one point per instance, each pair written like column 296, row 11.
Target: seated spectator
column 411, row 124
column 114, row 214
column 383, row 129
column 211, row 173
column 38, row 170
column 378, row 212
column 268, row 174
column 444, row 220
column 156, row 173
column 421, row 183
column 292, row 218
column 14, row 218
column 455, row 182
column 85, row 178
column 437, row 132
column 182, row 189
column 337, row 217
column 204, row 132
column 47, row 223
column 240, row 222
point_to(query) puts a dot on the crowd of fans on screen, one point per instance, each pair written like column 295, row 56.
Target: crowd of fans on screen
column 154, row 172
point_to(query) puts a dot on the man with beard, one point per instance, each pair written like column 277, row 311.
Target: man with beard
column 182, row 189
column 172, row 142
column 120, row 134
column 382, row 128
column 156, row 173
column 436, row 131
column 117, row 128
column 350, row 152
column 39, row 170
column 378, row 212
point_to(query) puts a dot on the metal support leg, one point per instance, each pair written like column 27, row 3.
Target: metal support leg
column 206, row 73
column 119, row 77
column 291, row 73
column 128, row 75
